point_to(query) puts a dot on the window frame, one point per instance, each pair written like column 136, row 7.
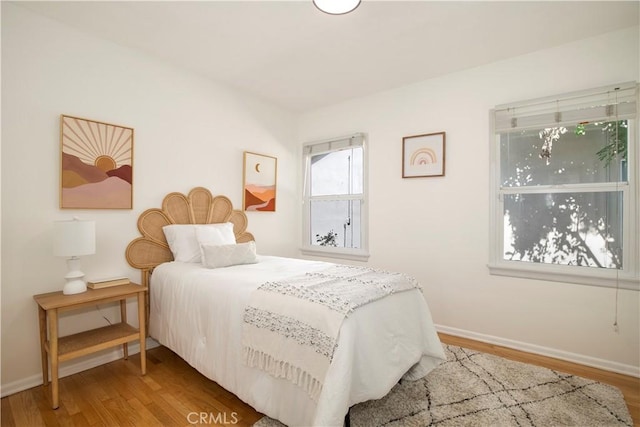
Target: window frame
column 356, row 254
column 626, row 278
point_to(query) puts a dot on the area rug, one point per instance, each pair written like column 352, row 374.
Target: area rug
column 477, row 389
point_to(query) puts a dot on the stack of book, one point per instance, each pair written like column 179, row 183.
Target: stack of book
column 106, row 283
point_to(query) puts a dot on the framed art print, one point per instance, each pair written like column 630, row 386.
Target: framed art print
column 260, row 174
column 96, row 164
column 423, row 155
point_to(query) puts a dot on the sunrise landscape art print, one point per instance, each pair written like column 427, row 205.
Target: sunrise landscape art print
column 97, row 165
column 260, row 173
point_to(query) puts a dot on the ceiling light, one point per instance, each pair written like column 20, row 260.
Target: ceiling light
column 336, row 7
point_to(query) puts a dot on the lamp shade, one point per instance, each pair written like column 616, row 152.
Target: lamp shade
column 74, row 238
column 336, row 7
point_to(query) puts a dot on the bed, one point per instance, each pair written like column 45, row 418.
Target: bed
column 204, row 314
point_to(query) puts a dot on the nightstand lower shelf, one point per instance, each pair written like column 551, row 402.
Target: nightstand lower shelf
column 88, row 342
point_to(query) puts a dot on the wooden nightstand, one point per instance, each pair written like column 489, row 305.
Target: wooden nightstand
column 69, row 347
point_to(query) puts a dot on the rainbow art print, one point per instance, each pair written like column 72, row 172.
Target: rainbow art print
column 423, row 155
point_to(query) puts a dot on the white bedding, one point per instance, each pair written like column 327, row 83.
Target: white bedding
column 197, row 313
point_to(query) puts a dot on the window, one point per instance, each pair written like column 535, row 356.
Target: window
column 335, row 202
column 564, row 188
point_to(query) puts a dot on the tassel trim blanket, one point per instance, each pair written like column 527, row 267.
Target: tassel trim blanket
column 291, row 326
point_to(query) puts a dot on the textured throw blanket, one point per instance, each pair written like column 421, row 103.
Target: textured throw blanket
column 291, row 327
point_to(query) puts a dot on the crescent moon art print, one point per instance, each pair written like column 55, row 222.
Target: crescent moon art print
column 96, row 165
column 260, row 173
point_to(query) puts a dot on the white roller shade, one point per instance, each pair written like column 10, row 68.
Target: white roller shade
column 605, row 103
column 355, row 140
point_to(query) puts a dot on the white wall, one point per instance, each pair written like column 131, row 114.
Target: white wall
column 437, row 228
column 188, row 132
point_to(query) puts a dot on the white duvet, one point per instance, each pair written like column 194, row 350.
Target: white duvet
column 197, row 313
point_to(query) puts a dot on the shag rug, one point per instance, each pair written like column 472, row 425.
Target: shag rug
column 478, row 389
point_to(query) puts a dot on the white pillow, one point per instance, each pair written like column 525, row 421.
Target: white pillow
column 216, row 256
column 184, row 239
column 215, row 234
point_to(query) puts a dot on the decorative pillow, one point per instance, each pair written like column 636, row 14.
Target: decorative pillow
column 215, row 234
column 216, row 256
column 185, row 239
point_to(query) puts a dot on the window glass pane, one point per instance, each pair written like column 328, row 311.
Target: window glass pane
column 585, row 153
column 337, row 172
column 581, row 229
column 335, row 223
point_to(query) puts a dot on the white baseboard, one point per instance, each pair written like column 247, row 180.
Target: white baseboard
column 71, row 368
column 134, row 348
column 594, row 362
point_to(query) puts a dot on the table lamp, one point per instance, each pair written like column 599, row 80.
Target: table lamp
column 74, row 238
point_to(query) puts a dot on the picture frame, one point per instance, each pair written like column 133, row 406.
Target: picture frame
column 96, row 164
column 423, row 155
column 259, row 182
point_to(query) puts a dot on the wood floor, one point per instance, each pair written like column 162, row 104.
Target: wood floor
column 174, row 394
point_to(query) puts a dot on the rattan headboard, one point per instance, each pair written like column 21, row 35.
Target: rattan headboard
column 198, row 207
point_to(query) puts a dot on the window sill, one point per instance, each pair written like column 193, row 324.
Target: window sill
column 596, row 277
column 336, row 253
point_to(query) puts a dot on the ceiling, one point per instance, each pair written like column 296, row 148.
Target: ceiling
column 294, row 56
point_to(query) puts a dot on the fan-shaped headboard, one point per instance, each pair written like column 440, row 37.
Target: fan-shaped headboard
column 198, row 207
